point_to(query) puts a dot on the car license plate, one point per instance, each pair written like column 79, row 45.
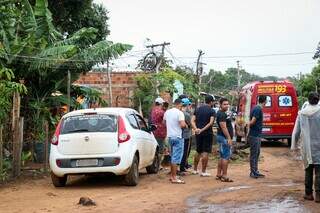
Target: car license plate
column 266, row 129
column 87, row 162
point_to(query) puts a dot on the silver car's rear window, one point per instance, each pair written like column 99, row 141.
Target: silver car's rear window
column 89, row 123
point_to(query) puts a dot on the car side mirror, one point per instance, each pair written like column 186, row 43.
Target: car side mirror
column 152, row 127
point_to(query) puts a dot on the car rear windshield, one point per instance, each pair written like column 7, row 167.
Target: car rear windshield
column 89, row 123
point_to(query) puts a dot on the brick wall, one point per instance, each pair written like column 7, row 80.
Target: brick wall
column 123, row 85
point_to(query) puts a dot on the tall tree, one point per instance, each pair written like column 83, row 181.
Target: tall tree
column 70, row 16
column 31, row 46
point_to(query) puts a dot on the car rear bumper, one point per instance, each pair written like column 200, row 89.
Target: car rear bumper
column 282, row 136
column 108, row 163
column 101, row 162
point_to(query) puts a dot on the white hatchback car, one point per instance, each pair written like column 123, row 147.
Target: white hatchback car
column 103, row 140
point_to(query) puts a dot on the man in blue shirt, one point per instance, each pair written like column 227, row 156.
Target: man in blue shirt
column 254, row 139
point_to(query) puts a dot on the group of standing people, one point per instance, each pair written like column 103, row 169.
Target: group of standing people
column 178, row 123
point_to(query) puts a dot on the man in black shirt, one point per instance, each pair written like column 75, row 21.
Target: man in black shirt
column 224, row 138
column 202, row 122
column 254, row 139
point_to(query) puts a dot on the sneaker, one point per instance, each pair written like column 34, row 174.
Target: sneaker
column 194, row 172
column 204, row 174
column 260, row 175
column 252, row 175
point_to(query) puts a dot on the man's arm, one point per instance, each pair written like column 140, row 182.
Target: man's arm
column 208, row 125
column 223, row 126
column 182, row 124
column 295, row 134
column 164, row 118
column 182, row 120
column 255, row 116
column 193, row 125
column 193, row 122
column 253, row 121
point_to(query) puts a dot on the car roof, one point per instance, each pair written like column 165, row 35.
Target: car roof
column 107, row 110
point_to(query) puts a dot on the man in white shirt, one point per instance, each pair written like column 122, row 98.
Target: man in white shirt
column 175, row 121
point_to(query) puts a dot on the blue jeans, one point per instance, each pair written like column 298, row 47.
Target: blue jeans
column 224, row 148
column 255, row 144
column 177, row 145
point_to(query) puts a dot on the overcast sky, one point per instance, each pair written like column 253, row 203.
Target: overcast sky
column 221, row 28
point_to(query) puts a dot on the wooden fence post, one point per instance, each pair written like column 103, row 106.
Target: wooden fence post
column 46, row 147
column 20, row 142
column 16, row 161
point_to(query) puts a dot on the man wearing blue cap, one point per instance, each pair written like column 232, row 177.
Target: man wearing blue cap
column 186, row 133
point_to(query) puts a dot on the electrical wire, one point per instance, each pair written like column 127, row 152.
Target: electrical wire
column 253, row 56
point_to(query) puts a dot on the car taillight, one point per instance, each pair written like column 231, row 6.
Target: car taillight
column 55, row 138
column 123, row 135
column 59, row 163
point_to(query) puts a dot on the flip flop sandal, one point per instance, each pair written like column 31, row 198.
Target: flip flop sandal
column 177, row 181
column 226, row 179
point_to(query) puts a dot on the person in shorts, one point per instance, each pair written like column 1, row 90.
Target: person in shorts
column 175, row 121
column 202, row 122
column 224, row 139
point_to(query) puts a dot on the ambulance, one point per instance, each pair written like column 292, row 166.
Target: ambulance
column 280, row 112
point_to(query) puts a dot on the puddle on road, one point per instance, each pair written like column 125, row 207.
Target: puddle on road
column 287, row 204
column 232, row 188
column 287, row 184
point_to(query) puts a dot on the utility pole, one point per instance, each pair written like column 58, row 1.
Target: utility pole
column 163, row 45
column 238, row 84
column 198, row 71
column 238, row 76
column 68, row 90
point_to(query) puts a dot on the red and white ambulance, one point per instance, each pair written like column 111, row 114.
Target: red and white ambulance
column 280, row 112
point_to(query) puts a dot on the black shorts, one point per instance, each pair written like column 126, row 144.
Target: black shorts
column 204, row 143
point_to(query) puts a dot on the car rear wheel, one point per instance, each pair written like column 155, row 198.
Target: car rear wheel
column 132, row 178
column 59, row 181
column 155, row 166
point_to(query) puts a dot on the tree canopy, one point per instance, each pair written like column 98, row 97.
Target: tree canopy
column 69, row 16
column 38, row 53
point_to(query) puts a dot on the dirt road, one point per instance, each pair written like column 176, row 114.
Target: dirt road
column 280, row 191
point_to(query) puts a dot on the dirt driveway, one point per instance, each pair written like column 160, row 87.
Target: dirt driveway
column 280, row 191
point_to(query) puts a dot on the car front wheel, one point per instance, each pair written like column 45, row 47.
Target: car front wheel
column 58, row 181
column 132, row 178
column 155, row 166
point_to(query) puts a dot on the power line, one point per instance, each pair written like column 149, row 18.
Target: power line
column 251, row 56
column 177, row 57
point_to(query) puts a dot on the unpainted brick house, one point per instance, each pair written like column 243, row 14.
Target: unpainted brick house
column 123, row 85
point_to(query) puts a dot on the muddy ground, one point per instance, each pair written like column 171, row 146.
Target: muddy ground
column 280, row 191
